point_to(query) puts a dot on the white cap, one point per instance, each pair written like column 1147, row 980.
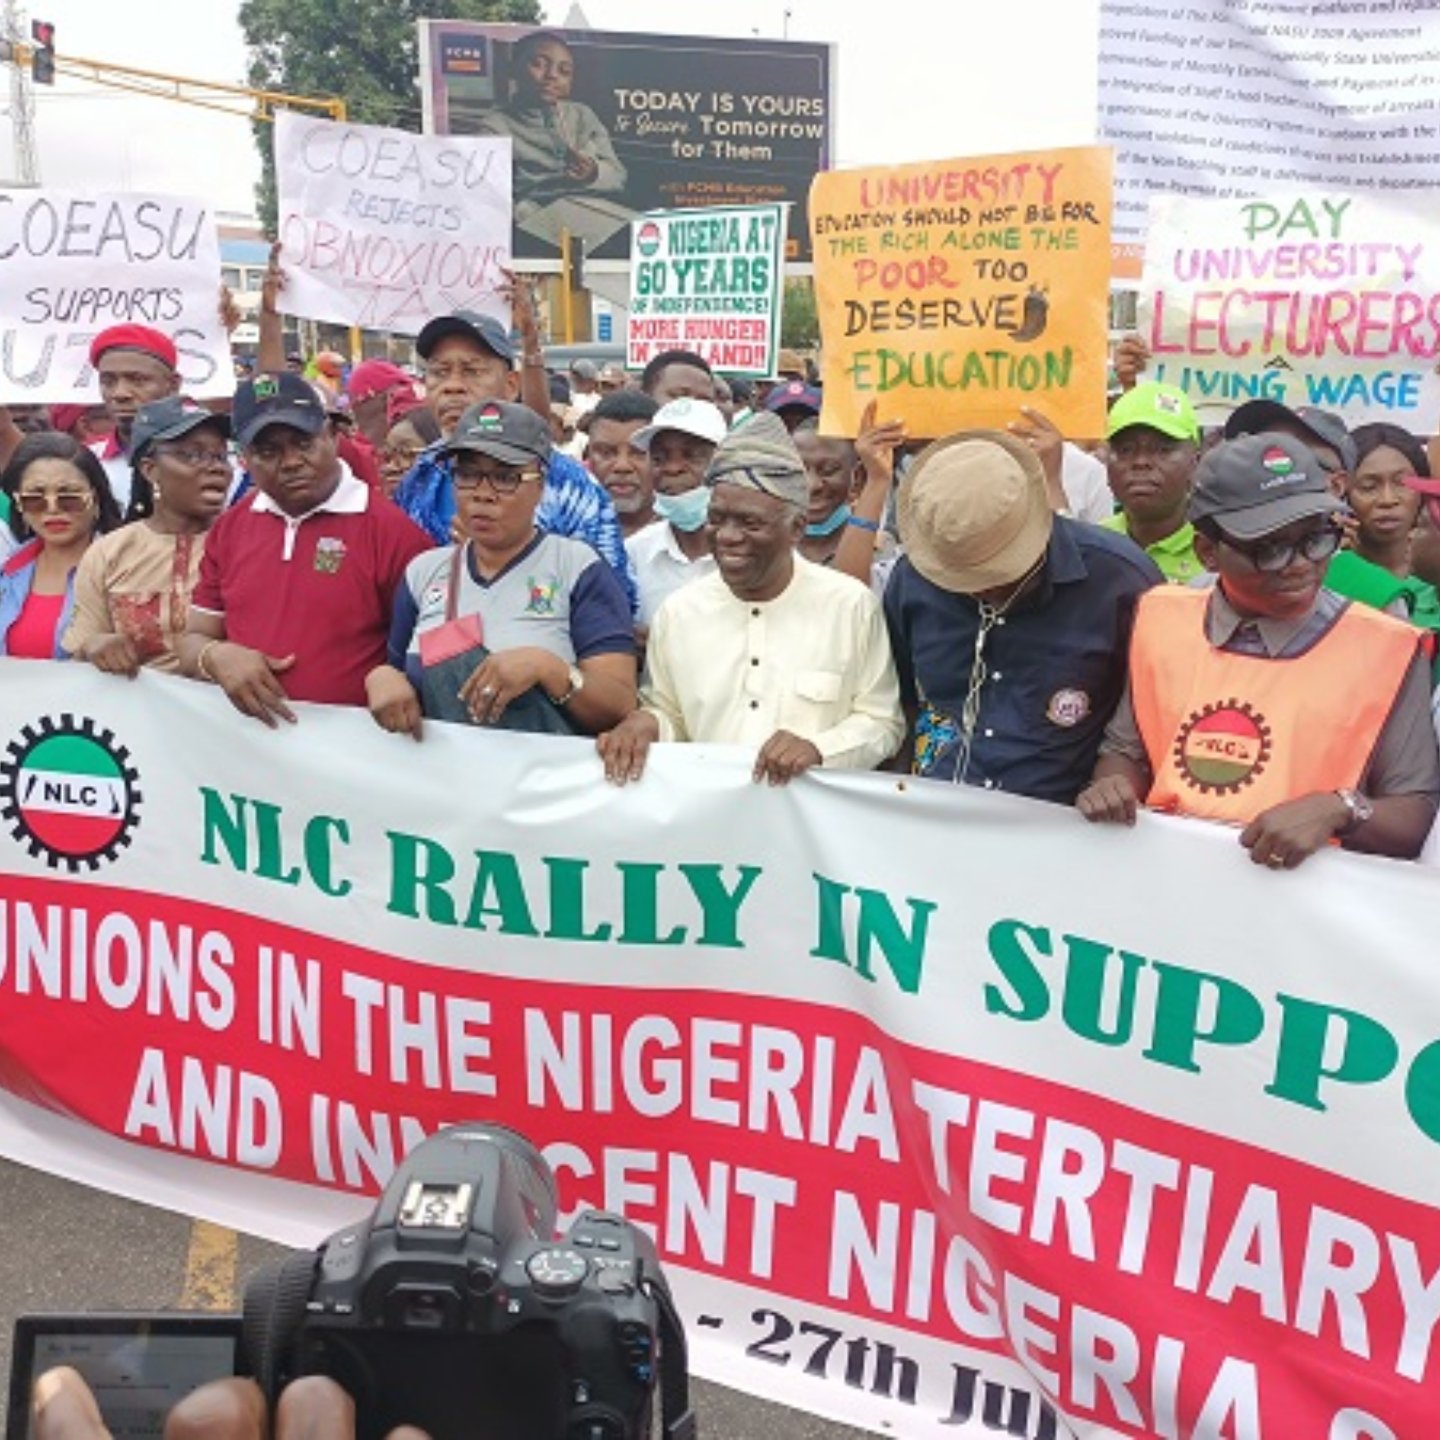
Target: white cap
column 691, row 417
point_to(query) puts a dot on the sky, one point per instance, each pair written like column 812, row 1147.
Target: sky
column 938, row 78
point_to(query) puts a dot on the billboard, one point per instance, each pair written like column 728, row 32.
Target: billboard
column 606, row 126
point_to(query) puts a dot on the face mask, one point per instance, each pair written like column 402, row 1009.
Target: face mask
column 687, row 510
column 830, row 524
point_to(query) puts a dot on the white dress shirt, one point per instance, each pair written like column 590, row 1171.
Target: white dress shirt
column 661, row 567
column 1086, row 484
column 814, row 661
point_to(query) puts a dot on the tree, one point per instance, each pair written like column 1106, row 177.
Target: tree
column 799, row 322
column 365, row 52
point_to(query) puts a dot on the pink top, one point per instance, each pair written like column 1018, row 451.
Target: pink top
column 32, row 634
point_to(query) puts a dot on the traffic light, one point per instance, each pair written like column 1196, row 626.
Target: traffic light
column 42, row 56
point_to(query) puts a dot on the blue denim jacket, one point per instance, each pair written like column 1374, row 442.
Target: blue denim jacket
column 16, row 577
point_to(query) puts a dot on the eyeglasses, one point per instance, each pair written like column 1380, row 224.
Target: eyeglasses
column 195, row 458
column 474, row 373
column 502, row 482
column 399, row 455
column 67, row 502
column 1272, row 556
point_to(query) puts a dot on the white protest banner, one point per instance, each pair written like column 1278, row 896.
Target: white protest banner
column 1227, row 99
column 1305, row 297
column 72, row 265
column 941, row 1105
column 708, row 281
column 385, row 229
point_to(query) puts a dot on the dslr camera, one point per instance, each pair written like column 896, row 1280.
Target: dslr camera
column 454, row 1308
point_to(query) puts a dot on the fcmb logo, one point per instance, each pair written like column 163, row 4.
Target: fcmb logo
column 69, row 792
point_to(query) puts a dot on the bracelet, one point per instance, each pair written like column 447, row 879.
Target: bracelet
column 533, row 359
column 861, row 524
column 205, row 649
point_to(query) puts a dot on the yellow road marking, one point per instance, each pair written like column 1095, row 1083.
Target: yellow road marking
column 210, row 1268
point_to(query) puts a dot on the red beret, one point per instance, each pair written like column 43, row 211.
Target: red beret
column 66, row 417
column 134, row 337
column 374, row 377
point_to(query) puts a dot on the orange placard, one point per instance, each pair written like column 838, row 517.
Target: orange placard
column 955, row 291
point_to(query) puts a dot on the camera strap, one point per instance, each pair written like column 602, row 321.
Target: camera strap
column 677, row 1418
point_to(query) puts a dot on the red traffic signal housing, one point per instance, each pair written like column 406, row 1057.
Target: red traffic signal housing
column 42, row 57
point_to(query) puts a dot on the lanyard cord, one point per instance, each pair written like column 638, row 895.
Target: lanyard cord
column 990, row 617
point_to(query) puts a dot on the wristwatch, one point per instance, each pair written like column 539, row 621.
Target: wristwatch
column 1359, row 807
column 577, row 684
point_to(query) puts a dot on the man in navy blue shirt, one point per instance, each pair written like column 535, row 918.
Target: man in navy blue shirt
column 1010, row 625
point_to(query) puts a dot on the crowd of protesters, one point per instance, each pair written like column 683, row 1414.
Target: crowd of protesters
column 1237, row 625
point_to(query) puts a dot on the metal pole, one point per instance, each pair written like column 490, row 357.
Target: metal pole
column 357, row 343
column 567, row 287
column 22, row 101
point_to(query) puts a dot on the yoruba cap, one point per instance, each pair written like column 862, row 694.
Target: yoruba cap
column 760, row 455
column 974, row 513
column 483, row 329
column 276, row 399
column 511, row 434
column 699, row 418
column 169, row 419
column 1256, row 416
column 374, row 377
column 134, row 337
column 1257, row 484
column 794, row 395
column 1160, row 407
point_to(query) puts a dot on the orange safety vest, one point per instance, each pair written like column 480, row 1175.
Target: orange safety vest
column 1228, row 736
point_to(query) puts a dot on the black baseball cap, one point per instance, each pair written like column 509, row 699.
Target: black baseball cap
column 1257, row 416
column 283, row 399
column 1253, row 486
column 483, row 329
column 511, row 434
column 169, row 419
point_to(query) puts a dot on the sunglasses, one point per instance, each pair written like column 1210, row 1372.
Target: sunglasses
column 67, row 502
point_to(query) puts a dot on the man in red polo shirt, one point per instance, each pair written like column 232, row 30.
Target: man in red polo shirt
column 136, row 366
column 295, row 589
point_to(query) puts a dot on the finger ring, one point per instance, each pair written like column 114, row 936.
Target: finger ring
column 487, row 689
column 1275, row 862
